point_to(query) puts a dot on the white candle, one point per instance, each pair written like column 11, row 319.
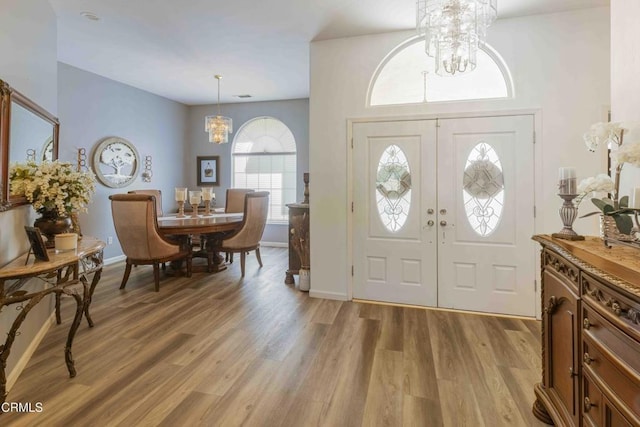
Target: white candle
column 634, row 201
column 568, row 184
column 207, row 193
column 567, row 173
column 181, row 194
column 194, row 197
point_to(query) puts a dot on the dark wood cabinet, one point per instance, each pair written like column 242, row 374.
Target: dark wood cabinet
column 300, row 211
column 590, row 334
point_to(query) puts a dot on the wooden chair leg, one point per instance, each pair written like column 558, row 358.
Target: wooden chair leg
column 258, row 256
column 243, row 256
column 189, row 266
column 156, row 275
column 231, row 257
column 127, row 271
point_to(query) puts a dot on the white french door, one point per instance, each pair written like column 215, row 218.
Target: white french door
column 394, row 175
column 443, row 215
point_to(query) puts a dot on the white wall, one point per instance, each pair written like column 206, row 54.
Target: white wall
column 625, row 81
column 28, row 63
column 560, row 66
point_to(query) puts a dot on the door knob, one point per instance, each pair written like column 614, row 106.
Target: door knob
column 430, row 223
column 430, row 211
column 443, row 211
column 443, row 223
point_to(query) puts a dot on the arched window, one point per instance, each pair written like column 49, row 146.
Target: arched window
column 264, row 158
column 407, row 76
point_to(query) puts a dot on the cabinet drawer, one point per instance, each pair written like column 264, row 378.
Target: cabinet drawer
column 619, row 309
column 591, row 402
column 615, row 378
column 551, row 261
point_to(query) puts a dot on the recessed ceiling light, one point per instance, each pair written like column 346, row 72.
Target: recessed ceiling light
column 90, row 16
column 242, row 96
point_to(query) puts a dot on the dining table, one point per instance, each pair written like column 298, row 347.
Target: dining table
column 210, row 229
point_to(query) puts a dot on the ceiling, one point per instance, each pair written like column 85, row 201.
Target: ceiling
column 260, row 47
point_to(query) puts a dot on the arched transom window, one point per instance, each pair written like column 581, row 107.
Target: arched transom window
column 407, row 76
column 264, row 158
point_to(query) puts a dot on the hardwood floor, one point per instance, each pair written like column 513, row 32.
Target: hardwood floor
column 218, row 350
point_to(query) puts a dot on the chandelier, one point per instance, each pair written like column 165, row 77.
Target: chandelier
column 453, row 30
column 218, row 126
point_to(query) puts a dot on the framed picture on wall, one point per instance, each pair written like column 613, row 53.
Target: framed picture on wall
column 208, row 170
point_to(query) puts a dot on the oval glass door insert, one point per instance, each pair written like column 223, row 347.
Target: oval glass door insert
column 393, row 188
column 483, row 189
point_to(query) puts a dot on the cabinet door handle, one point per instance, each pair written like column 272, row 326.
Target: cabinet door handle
column 588, row 359
column 586, row 324
column 572, row 373
column 588, row 404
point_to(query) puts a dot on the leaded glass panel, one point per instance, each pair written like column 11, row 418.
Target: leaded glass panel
column 393, row 188
column 483, row 189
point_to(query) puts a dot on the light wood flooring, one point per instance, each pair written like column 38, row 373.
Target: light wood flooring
column 217, row 350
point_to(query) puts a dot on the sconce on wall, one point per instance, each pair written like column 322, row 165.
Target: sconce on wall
column 82, row 160
column 147, row 173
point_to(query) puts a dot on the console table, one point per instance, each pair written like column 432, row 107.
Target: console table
column 60, row 273
column 590, row 334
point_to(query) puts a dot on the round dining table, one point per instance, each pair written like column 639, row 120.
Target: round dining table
column 211, row 230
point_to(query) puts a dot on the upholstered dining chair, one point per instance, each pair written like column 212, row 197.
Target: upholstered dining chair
column 136, row 223
column 247, row 238
column 155, row 193
column 234, row 203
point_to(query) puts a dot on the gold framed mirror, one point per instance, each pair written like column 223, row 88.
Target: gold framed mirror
column 27, row 132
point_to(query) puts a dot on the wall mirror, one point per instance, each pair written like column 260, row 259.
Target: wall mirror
column 27, row 132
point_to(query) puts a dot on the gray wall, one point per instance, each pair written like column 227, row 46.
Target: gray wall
column 92, row 108
column 294, row 113
column 28, row 63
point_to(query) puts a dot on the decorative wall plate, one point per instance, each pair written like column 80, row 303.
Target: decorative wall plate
column 116, row 162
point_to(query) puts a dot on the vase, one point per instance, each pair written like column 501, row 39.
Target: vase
column 50, row 224
column 304, row 282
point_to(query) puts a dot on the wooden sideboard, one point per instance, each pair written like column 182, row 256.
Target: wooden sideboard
column 590, row 334
column 296, row 210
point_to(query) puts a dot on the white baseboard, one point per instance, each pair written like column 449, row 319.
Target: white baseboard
column 114, row 259
column 26, row 356
column 328, row 295
column 275, row 244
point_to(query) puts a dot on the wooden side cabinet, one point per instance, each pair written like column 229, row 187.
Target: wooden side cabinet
column 590, row 334
column 296, row 210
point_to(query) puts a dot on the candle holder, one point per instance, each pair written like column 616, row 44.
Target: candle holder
column 568, row 214
column 195, row 197
column 180, row 209
column 207, row 208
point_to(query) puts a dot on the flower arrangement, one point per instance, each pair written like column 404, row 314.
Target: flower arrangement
column 617, row 207
column 52, row 186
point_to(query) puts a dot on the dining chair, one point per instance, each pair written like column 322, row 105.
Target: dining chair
column 155, row 193
column 247, row 238
column 136, row 224
column 234, row 203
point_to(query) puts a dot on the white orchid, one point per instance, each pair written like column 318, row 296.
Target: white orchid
column 52, row 186
column 602, row 133
column 628, row 153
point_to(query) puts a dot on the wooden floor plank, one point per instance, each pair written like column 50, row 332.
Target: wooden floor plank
column 219, row 349
column 384, row 397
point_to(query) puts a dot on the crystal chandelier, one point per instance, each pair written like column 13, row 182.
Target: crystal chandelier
column 218, row 126
column 453, row 30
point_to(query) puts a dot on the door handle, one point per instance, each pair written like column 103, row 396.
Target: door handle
column 443, row 223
